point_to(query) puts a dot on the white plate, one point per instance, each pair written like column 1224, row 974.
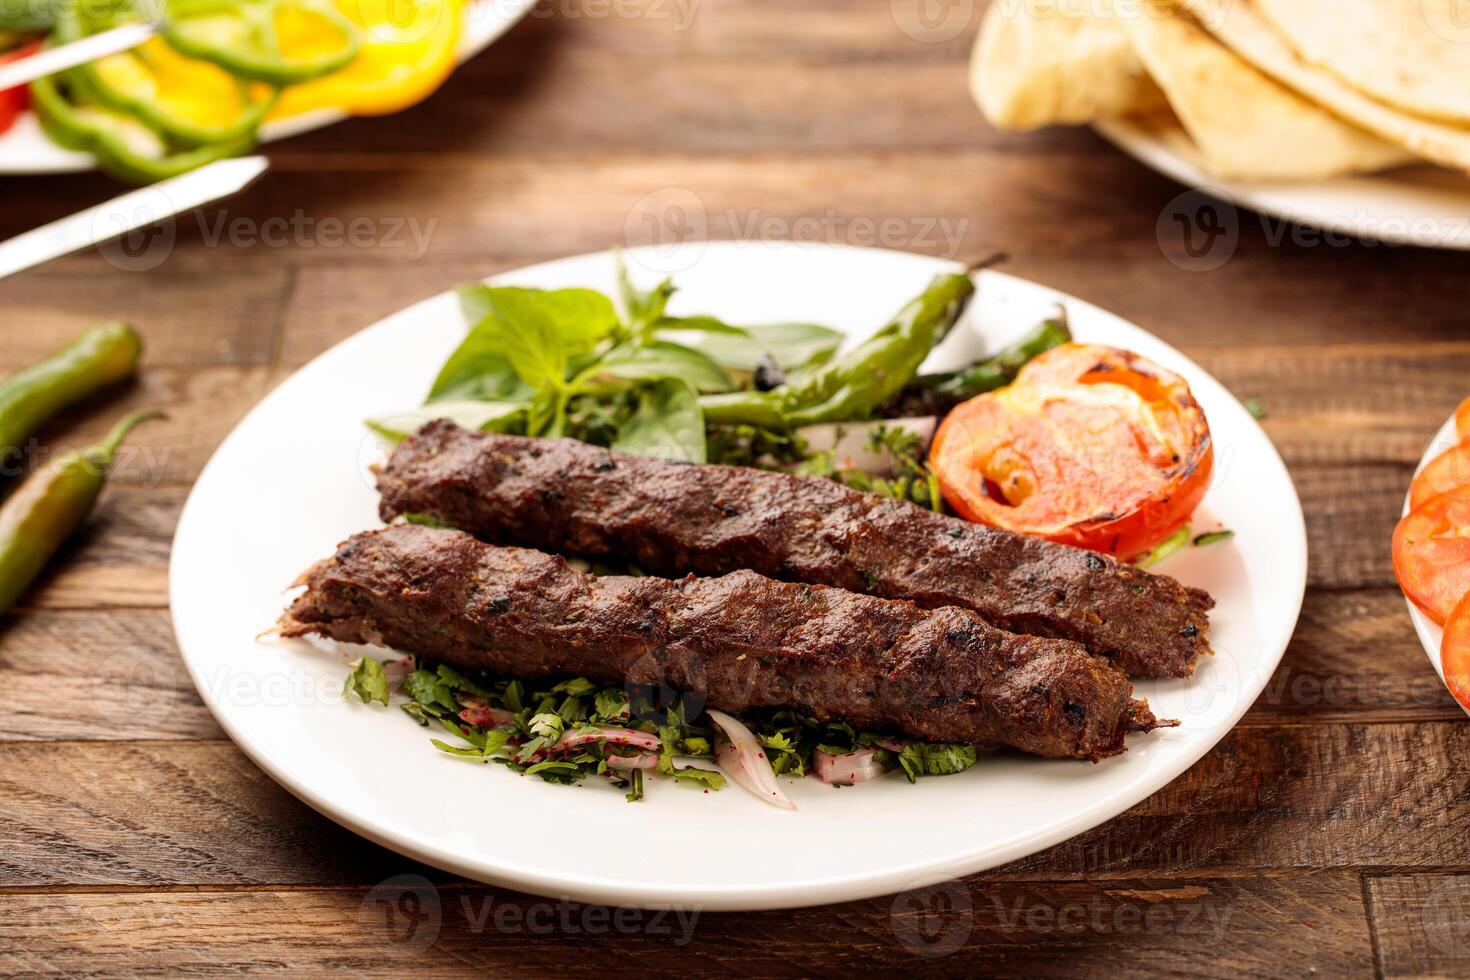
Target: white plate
column 26, row 149
column 291, row 482
column 1418, row 205
column 1430, row 632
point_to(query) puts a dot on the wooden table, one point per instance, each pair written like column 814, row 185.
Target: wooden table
column 1327, row 833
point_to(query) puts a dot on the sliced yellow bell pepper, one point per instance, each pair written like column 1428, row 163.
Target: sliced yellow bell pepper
column 407, row 50
column 184, row 98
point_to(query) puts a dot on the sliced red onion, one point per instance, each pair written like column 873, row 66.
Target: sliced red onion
column 612, row 736
column 632, row 761
column 741, row 755
column 396, row 670
column 857, row 766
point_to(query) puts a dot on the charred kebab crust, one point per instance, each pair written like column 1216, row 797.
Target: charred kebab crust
column 739, row 641
column 565, row 496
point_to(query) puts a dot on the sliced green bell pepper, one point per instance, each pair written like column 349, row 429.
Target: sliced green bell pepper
column 244, row 37
column 123, row 146
column 132, row 82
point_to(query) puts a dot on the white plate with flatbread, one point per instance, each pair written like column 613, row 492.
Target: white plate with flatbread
column 1249, row 102
column 291, row 482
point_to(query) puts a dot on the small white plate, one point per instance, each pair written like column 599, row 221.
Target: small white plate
column 1417, row 205
column 26, row 149
column 1430, row 632
column 291, row 482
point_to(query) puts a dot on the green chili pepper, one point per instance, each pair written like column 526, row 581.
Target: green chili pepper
column 102, row 356
column 936, row 394
column 853, row 385
column 241, row 37
column 98, row 82
column 123, row 146
column 50, row 505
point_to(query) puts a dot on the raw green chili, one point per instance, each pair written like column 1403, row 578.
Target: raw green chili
column 50, row 505
column 102, row 356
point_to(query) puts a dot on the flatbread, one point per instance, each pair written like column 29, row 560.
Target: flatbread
column 1246, row 126
column 1412, row 54
column 1241, row 27
column 1048, row 62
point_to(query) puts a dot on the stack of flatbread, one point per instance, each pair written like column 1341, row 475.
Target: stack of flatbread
column 1263, row 89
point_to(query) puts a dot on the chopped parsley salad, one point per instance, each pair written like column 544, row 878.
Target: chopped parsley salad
column 569, row 731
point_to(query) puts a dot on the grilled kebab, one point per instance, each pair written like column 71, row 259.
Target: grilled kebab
column 676, row 518
column 739, row 641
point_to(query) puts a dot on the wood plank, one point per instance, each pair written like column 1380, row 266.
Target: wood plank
column 162, row 813
column 545, row 205
column 1389, row 796
column 187, row 313
column 1308, row 796
column 97, row 675
column 1354, row 658
column 1249, row 927
column 202, row 404
column 1421, row 924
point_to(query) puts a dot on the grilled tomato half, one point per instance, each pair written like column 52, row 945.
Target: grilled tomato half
column 1090, row 446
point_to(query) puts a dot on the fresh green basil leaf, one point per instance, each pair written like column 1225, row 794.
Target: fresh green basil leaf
column 661, row 359
column 668, row 423
column 482, row 416
column 791, row 345
column 540, row 331
column 642, row 307
column 520, row 340
column 367, row 681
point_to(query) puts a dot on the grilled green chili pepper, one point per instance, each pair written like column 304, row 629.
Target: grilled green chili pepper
column 853, row 385
column 241, row 36
column 102, row 356
column 936, row 394
column 39, row 517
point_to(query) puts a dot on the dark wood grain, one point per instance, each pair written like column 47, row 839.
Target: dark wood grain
column 1421, row 924
column 1326, row 833
column 1397, row 796
column 1250, row 927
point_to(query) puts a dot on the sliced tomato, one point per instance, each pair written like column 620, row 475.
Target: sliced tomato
column 1431, row 553
column 1454, row 653
column 1462, row 420
column 14, row 101
column 1443, row 473
column 1090, row 446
